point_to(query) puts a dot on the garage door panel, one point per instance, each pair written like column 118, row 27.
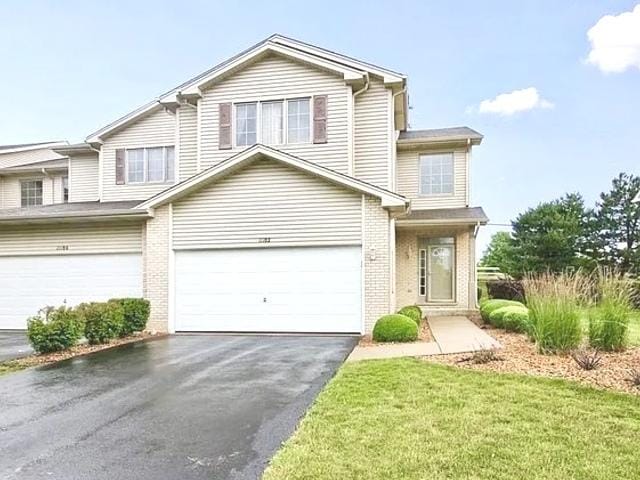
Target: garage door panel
column 31, row 282
column 310, row 289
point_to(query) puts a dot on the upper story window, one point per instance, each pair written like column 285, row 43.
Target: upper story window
column 298, row 121
column 267, row 123
column 30, row 193
column 246, row 124
column 150, row 165
column 65, row 189
column 436, row 174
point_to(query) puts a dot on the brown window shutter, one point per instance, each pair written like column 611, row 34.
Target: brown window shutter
column 224, row 131
column 120, row 166
column 320, row 119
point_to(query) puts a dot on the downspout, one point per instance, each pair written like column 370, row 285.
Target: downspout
column 467, row 199
column 352, row 133
column 393, row 147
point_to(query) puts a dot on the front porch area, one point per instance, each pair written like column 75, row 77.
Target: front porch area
column 435, row 268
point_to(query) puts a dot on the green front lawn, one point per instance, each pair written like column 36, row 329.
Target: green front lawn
column 407, row 419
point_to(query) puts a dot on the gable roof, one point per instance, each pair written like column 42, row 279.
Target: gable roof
column 23, row 147
column 226, row 167
column 450, row 134
column 350, row 69
column 35, row 155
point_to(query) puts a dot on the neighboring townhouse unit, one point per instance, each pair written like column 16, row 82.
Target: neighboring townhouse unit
column 280, row 191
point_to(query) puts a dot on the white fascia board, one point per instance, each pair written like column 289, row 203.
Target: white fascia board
column 388, row 199
column 388, row 76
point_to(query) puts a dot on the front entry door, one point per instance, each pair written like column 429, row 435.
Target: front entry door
column 440, row 269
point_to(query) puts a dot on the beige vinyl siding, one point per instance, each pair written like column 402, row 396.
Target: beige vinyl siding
column 188, row 150
column 274, row 78
column 57, row 193
column 70, row 239
column 156, row 129
column 267, row 200
column 372, row 111
column 408, row 177
column 83, row 178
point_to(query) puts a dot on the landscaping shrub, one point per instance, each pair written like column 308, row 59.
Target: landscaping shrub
column 489, row 306
column 514, row 318
column 609, row 321
column 136, row 314
column 586, row 360
column 506, row 289
column 102, row 321
column 54, row 329
column 413, row 312
column 554, row 302
column 395, row 328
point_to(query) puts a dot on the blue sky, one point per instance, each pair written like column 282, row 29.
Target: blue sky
column 69, row 67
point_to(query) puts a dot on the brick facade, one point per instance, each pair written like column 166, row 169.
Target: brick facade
column 156, row 268
column 377, row 262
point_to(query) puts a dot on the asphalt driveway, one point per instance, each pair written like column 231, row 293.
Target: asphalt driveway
column 13, row 344
column 183, row 407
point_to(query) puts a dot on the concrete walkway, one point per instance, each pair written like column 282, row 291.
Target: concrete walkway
column 452, row 334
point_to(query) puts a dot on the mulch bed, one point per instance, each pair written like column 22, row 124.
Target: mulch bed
column 424, row 335
column 79, row 350
column 519, row 355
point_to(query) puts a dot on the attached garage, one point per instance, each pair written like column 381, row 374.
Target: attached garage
column 29, row 283
column 56, row 264
column 267, row 242
column 295, row 289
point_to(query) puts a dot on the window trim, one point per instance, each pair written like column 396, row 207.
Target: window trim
column 145, row 166
column 285, row 119
column 32, row 179
column 453, row 173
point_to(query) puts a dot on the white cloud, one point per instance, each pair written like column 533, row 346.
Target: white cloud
column 514, row 102
column 615, row 42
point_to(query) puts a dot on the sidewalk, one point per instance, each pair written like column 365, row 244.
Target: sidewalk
column 452, row 334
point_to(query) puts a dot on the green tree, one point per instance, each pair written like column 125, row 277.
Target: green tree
column 500, row 253
column 615, row 225
column 550, row 236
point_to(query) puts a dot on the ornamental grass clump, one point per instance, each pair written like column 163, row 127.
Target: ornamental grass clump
column 609, row 320
column 554, row 302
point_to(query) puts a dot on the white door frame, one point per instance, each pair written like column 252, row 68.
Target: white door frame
column 430, row 273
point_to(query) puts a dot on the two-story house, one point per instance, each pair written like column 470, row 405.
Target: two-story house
column 280, row 191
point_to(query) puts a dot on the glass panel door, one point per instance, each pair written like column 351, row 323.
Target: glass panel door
column 441, row 273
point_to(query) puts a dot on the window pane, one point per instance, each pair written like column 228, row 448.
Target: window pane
column 246, row 124
column 31, row 193
column 135, row 165
column 65, row 189
column 272, row 123
column 170, row 163
column 436, row 174
column 155, row 164
column 298, row 121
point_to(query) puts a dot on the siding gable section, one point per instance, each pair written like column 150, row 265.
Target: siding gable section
column 156, row 129
column 275, row 77
column 267, row 204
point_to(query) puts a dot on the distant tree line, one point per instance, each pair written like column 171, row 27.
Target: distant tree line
column 564, row 233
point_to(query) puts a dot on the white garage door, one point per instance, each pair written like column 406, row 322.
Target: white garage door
column 29, row 283
column 314, row 289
